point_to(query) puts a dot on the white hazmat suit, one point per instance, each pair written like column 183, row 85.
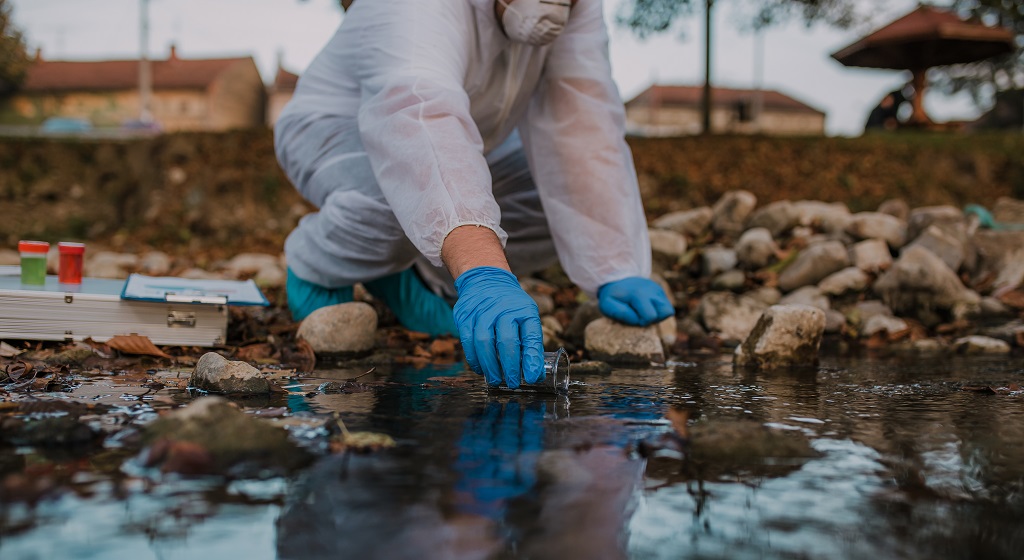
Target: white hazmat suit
column 405, row 127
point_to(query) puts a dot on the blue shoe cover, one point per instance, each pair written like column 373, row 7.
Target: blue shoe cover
column 305, row 297
column 415, row 306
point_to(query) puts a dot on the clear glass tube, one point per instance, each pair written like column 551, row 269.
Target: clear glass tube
column 556, row 376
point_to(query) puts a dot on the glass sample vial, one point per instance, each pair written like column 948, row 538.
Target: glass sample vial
column 71, row 254
column 33, row 262
column 556, row 376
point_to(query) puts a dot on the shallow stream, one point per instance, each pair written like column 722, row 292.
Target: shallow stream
column 912, row 459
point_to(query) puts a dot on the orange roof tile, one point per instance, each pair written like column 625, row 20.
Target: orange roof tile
column 105, row 75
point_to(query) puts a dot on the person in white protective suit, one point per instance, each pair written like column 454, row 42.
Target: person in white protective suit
column 452, row 131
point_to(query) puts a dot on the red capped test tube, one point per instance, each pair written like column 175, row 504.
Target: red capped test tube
column 71, row 255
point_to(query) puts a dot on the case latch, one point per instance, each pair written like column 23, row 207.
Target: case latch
column 181, row 319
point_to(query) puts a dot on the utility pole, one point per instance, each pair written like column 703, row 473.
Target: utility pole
column 706, row 104
column 145, row 71
column 758, row 77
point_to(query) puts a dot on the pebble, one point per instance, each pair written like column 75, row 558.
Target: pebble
column 346, row 328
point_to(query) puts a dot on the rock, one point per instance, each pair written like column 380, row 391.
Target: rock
column 835, row 321
column 212, row 436
column 1007, row 210
column 217, row 374
column 785, row 336
column 921, row 218
column 873, row 225
column 813, row 264
column 200, row 274
column 730, row 315
column 1000, row 257
column 346, row 328
column 920, row 284
column 756, row 249
column 807, row 295
column 945, row 246
column 1011, row 332
column 545, row 303
column 248, row 264
column 777, row 217
column 551, row 329
column 585, row 314
column 46, row 431
column 551, row 323
column 830, row 217
column 155, row 263
column 717, row 259
column 928, row 346
column 896, row 207
column 980, row 345
column 667, row 332
column 615, row 343
column 863, row 311
column 691, row 223
column 665, row 288
column 107, row 264
column 271, row 276
column 882, row 324
column 731, row 212
column 871, row 255
column 690, row 327
column 766, row 295
column 731, row 280
column 991, row 308
column 590, row 367
column 849, row 279
column 666, row 245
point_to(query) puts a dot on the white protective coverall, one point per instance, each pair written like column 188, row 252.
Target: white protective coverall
column 404, row 128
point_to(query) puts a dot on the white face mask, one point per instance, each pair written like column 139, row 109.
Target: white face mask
column 535, row 22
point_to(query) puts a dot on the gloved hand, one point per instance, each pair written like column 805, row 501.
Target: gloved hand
column 499, row 325
column 635, row 301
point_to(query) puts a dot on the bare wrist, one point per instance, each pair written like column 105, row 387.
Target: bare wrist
column 471, row 246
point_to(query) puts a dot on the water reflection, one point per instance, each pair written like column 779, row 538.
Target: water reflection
column 909, row 465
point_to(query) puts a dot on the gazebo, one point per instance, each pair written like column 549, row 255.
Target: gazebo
column 925, row 38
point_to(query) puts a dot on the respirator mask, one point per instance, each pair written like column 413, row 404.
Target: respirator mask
column 534, row 22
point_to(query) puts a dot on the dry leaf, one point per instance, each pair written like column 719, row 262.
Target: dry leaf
column 20, row 370
column 443, row 348
column 1013, row 298
column 255, row 352
column 136, row 344
column 8, row 351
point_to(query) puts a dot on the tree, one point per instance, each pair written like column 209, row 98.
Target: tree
column 646, row 17
column 988, row 77
column 14, row 59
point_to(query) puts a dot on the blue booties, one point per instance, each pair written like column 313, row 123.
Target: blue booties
column 416, row 307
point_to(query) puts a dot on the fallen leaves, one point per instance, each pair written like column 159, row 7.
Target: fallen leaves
column 992, row 390
column 358, row 442
column 137, row 345
column 8, row 351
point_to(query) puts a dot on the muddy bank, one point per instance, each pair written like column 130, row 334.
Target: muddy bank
column 185, row 192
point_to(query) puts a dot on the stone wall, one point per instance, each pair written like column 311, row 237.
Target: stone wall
column 178, row 191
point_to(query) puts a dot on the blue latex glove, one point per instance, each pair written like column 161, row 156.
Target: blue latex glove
column 635, row 301
column 499, row 325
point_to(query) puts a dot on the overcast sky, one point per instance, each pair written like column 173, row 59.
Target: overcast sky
column 796, row 60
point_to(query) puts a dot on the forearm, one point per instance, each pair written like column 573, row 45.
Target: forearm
column 471, row 246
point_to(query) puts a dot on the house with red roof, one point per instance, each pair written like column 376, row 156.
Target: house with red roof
column 210, row 94
column 664, row 110
column 280, row 93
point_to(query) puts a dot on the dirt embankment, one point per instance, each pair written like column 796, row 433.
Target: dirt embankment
column 226, row 193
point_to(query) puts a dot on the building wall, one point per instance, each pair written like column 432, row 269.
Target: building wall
column 676, row 121
column 275, row 104
column 238, row 98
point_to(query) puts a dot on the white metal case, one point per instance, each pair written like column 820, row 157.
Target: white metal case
column 96, row 310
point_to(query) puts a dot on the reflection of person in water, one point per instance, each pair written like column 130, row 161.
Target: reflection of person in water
column 885, row 115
